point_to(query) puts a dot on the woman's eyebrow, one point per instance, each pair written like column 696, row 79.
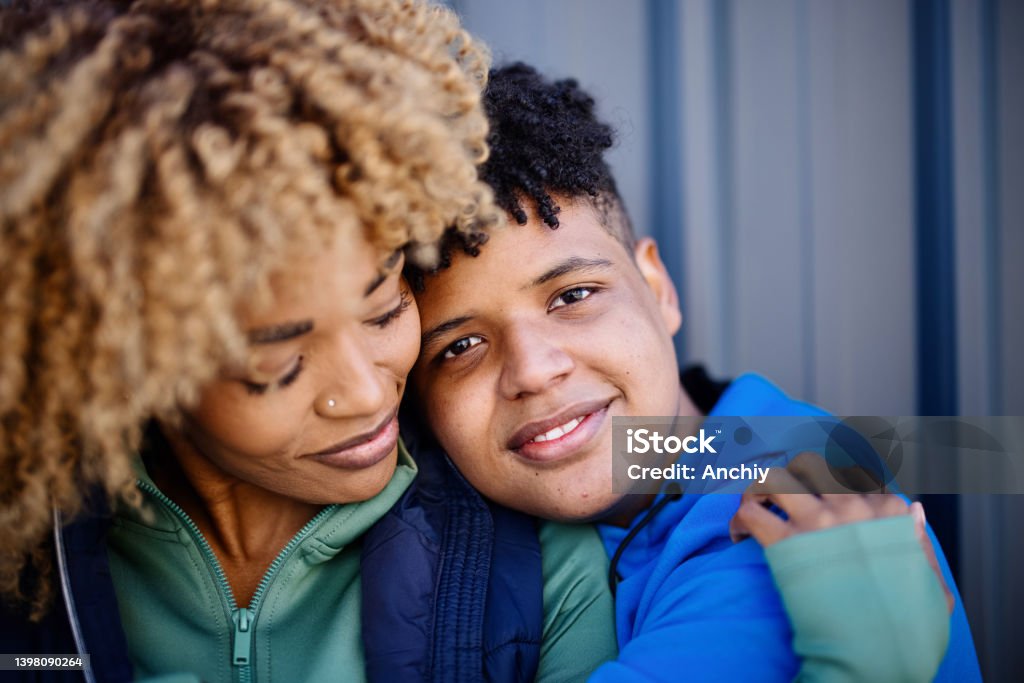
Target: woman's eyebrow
column 279, row 333
column 571, row 265
column 385, row 271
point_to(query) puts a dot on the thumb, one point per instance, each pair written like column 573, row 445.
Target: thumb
column 921, row 531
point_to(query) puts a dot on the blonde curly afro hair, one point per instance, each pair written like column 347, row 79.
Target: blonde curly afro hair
column 158, row 161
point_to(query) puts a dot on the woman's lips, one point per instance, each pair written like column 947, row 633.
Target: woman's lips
column 553, row 447
column 361, row 452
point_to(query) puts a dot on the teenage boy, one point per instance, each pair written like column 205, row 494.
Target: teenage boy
column 528, row 351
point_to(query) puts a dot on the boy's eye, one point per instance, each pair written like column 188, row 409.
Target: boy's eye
column 288, row 378
column 571, row 296
column 461, row 346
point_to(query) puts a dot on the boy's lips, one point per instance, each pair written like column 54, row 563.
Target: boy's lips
column 560, row 435
column 361, row 451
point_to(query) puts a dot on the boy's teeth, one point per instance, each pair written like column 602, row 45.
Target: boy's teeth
column 558, row 431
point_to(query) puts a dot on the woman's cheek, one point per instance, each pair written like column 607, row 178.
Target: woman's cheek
column 406, row 344
column 240, row 433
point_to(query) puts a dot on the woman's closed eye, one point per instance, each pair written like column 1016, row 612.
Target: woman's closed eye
column 572, row 296
column 460, row 346
column 285, row 380
column 382, row 321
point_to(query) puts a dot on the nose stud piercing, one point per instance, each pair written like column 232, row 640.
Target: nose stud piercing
column 330, row 403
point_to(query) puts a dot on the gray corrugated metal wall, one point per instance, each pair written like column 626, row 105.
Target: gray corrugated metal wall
column 804, row 211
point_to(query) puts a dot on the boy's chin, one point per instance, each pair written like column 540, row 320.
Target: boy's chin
column 612, row 509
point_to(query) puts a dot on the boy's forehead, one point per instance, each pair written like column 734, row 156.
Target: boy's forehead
column 519, row 257
column 520, row 250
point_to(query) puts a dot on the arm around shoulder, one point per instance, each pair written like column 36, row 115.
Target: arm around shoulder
column 579, row 613
column 863, row 602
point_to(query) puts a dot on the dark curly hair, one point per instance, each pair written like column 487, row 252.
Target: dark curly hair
column 546, row 142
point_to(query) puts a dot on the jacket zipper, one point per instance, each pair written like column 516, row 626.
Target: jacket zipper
column 242, row 618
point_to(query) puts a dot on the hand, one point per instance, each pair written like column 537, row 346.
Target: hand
column 795, row 490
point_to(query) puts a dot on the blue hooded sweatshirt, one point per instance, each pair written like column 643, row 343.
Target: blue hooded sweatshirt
column 692, row 605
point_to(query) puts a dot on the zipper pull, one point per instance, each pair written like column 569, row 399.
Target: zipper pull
column 243, row 636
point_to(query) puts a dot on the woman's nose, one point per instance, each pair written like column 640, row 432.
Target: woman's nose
column 353, row 386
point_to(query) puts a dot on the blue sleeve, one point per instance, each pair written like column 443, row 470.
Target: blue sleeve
column 718, row 617
column 714, row 617
column 704, row 609
column 961, row 662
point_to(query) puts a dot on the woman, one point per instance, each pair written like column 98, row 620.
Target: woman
column 203, row 209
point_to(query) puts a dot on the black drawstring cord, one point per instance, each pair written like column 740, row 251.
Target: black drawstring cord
column 613, row 574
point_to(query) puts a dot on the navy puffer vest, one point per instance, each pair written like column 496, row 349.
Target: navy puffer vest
column 452, row 585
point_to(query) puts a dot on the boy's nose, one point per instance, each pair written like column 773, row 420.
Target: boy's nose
column 532, row 364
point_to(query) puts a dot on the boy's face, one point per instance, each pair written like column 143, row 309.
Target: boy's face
column 532, row 347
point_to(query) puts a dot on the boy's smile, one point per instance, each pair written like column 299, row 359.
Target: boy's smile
column 561, row 435
column 529, row 350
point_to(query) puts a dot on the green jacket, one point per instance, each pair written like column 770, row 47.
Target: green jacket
column 303, row 623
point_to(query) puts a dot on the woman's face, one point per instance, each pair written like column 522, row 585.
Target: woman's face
column 312, row 415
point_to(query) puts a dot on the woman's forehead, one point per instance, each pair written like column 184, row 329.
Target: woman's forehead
column 339, row 277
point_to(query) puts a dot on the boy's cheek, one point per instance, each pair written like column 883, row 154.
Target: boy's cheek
column 447, row 417
column 424, row 385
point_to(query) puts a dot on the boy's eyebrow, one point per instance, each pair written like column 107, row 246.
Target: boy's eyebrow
column 279, row 333
column 433, row 333
column 385, row 271
column 570, row 265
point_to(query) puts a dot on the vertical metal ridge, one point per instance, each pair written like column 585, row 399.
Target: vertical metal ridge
column 808, row 317
column 934, row 208
column 992, row 201
column 935, row 239
column 665, row 140
column 722, row 78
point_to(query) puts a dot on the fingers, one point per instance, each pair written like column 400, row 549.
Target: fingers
column 917, row 512
column 796, row 490
column 754, row 519
column 811, row 470
column 853, row 507
column 921, row 530
column 819, row 477
column 837, row 489
column 788, row 493
column 889, row 505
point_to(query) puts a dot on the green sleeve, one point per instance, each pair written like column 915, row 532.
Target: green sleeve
column 579, row 614
column 863, row 601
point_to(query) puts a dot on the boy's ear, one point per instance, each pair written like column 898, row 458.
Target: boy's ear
column 645, row 253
